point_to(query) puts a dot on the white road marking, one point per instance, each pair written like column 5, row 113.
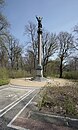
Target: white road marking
column 57, row 116
column 4, row 86
column 10, row 95
column 4, row 89
column 14, row 96
column 13, row 102
column 17, row 127
column 31, row 91
column 23, row 87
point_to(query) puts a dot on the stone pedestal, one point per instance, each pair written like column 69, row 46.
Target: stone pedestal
column 39, row 71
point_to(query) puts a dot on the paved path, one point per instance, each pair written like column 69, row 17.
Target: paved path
column 12, row 101
column 15, row 103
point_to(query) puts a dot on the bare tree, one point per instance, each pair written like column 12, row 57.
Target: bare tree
column 3, row 24
column 29, row 61
column 31, row 32
column 73, row 64
column 65, row 44
column 14, row 51
column 3, row 53
column 49, row 47
column 3, row 21
column 3, row 32
column 76, row 37
column 2, row 2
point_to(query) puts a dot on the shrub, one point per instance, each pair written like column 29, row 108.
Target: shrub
column 4, row 81
column 4, row 73
column 71, row 75
column 4, row 77
column 18, row 74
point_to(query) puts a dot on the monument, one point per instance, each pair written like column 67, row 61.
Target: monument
column 39, row 70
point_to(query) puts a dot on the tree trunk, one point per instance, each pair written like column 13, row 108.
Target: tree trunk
column 12, row 65
column 75, row 65
column 61, row 67
column 43, row 71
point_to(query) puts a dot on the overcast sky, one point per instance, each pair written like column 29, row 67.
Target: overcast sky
column 58, row 15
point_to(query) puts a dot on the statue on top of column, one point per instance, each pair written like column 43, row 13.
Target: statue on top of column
column 39, row 19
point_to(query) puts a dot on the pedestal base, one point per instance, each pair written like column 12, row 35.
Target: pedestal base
column 40, row 79
column 39, row 71
column 39, row 74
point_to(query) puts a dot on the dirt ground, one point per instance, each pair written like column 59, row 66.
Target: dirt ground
column 27, row 82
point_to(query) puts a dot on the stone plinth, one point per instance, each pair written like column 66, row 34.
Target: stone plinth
column 39, row 71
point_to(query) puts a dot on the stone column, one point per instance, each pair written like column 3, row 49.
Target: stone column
column 39, row 67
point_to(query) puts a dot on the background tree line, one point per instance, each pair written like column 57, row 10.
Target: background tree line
column 59, row 52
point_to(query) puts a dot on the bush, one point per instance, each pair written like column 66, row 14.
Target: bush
column 18, row 74
column 4, row 73
column 4, row 81
column 4, row 77
column 71, row 75
column 51, row 75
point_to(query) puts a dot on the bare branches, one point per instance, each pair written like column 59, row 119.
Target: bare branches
column 65, row 43
column 50, row 47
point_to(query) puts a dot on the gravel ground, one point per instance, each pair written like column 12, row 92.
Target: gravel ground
column 27, row 82
column 31, row 83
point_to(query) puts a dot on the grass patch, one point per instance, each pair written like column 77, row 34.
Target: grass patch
column 4, row 81
column 59, row 100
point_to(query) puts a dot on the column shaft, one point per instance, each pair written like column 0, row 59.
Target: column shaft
column 39, row 49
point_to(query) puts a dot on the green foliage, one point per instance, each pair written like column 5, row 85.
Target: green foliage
column 4, row 81
column 6, row 74
column 71, row 75
column 3, row 73
column 4, row 78
column 18, row 74
column 54, row 75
